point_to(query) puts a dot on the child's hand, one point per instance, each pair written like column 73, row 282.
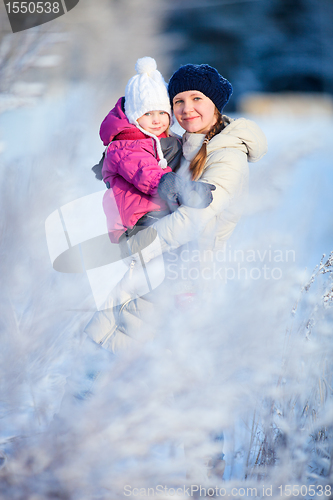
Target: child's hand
column 169, row 189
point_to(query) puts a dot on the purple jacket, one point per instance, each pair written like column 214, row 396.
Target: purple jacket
column 132, row 170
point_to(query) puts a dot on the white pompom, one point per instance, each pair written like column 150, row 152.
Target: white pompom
column 163, row 163
column 145, row 65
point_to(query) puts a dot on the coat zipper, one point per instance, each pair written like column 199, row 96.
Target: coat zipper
column 111, row 332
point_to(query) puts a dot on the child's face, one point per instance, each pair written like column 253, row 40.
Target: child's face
column 154, row 122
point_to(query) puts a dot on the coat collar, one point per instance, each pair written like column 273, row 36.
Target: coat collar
column 191, row 144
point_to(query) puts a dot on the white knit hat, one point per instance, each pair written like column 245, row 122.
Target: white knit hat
column 147, row 91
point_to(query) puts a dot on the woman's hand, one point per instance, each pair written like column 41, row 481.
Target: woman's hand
column 196, row 194
column 176, row 191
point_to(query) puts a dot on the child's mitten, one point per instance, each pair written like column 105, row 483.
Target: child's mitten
column 169, row 189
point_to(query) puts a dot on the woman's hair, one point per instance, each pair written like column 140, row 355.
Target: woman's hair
column 198, row 163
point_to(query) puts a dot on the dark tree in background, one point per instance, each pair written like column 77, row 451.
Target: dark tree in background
column 260, row 45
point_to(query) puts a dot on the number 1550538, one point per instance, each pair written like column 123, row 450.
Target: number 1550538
column 312, row 490
column 33, row 7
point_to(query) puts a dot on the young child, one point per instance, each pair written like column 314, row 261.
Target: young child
column 134, row 162
column 138, row 169
column 136, row 131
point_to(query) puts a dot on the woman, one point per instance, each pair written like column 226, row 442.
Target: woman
column 216, row 150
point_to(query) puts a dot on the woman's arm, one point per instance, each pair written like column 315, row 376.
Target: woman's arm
column 228, row 171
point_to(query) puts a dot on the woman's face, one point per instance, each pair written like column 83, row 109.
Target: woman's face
column 194, row 111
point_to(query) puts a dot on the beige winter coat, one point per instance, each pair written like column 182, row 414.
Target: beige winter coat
column 227, row 168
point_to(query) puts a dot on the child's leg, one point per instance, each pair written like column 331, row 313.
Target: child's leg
column 140, row 279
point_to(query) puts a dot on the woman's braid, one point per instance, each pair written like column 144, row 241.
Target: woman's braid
column 216, row 128
column 198, row 163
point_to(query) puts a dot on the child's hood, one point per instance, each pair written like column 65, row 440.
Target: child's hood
column 114, row 123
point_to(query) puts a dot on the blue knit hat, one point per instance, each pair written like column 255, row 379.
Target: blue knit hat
column 204, row 78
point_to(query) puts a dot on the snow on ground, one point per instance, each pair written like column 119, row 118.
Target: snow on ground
column 238, row 363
